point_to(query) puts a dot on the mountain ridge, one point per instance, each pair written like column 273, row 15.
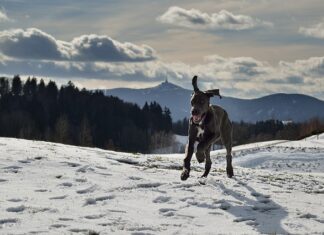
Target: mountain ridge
column 282, row 106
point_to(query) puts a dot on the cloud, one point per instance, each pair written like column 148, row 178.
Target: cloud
column 3, row 16
column 315, row 31
column 223, row 20
column 32, row 44
column 313, row 67
column 240, row 66
column 288, row 80
column 35, row 44
column 103, row 48
column 243, row 77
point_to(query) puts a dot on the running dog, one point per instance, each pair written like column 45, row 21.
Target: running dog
column 208, row 123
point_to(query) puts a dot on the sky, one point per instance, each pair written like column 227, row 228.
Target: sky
column 247, row 49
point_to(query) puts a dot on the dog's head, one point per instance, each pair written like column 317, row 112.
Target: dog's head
column 200, row 101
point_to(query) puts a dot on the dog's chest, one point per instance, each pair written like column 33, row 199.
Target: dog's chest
column 200, row 133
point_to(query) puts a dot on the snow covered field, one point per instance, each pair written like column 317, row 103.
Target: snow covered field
column 59, row 189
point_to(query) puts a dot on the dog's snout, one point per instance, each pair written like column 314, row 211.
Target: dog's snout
column 194, row 112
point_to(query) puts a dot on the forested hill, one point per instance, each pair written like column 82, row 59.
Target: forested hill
column 39, row 111
column 295, row 107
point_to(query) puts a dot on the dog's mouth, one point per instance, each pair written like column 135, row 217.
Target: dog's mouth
column 197, row 118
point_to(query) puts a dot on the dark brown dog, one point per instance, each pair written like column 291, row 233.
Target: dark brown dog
column 208, row 124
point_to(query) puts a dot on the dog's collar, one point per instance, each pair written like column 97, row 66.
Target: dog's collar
column 202, row 119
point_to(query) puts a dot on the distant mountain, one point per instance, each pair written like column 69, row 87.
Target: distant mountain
column 295, row 107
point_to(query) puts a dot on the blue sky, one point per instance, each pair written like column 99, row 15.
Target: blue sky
column 245, row 48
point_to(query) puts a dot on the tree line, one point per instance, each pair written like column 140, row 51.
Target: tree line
column 244, row 133
column 39, row 111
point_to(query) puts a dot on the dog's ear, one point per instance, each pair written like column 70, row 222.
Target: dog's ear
column 194, row 83
column 211, row 93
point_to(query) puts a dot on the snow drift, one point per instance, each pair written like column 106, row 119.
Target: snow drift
column 59, row 189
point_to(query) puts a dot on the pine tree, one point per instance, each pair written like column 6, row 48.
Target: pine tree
column 16, row 87
column 41, row 87
column 62, row 130
column 52, row 90
column 85, row 136
column 4, row 86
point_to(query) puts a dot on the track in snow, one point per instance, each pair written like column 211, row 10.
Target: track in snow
column 54, row 188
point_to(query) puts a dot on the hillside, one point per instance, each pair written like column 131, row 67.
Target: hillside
column 166, row 94
column 61, row 189
column 35, row 110
column 296, row 107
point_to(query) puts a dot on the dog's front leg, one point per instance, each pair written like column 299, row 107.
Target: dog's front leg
column 189, row 152
column 203, row 152
column 186, row 161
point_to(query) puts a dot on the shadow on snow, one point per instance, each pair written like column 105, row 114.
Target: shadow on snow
column 261, row 212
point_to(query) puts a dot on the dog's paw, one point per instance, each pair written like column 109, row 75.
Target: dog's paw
column 230, row 172
column 185, row 174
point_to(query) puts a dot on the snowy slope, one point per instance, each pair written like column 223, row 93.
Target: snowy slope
column 59, row 189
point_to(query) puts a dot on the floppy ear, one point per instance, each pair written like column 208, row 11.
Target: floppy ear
column 194, row 83
column 211, row 93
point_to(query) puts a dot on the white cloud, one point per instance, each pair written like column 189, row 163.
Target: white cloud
column 243, row 77
column 103, row 48
column 35, row 44
column 32, row 44
column 34, row 52
column 315, row 31
column 3, row 16
column 223, row 20
column 312, row 67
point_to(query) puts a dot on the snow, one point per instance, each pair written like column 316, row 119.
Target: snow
column 52, row 188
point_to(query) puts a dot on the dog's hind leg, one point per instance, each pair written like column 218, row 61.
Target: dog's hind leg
column 226, row 135
column 208, row 162
column 229, row 167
